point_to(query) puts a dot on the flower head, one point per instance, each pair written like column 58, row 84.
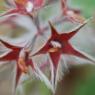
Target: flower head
column 24, row 7
column 59, row 44
column 72, row 15
column 20, row 55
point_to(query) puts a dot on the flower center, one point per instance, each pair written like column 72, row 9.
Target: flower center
column 22, row 65
column 55, row 46
column 22, row 61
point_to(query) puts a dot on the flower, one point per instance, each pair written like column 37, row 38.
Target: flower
column 20, row 55
column 24, row 7
column 59, row 44
column 71, row 14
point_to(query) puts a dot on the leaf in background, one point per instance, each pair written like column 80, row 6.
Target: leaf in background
column 87, row 6
column 78, row 81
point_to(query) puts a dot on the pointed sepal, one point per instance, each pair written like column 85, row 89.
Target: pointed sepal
column 53, row 30
column 8, row 45
column 76, row 30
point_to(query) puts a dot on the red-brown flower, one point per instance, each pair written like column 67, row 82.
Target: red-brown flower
column 24, row 6
column 59, row 44
column 20, row 55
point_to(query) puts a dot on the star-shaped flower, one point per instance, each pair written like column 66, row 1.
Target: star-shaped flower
column 59, row 44
column 20, row 55
column 24, row 7
column 71, row 14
